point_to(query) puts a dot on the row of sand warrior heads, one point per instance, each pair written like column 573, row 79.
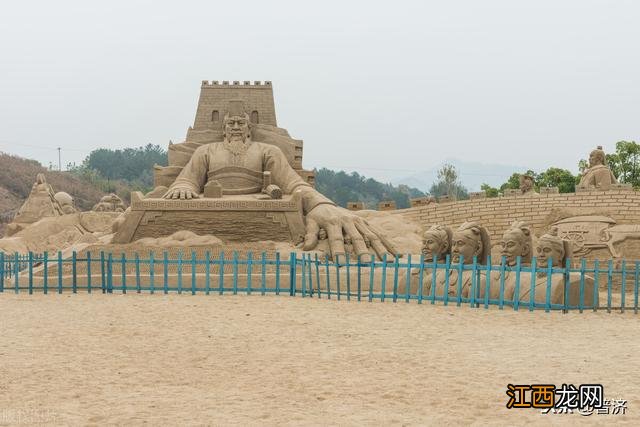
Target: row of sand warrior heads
column 472, row 240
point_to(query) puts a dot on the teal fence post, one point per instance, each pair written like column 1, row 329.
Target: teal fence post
column 359, row 278
column 547, row 300
column 516, row 293
column 193, row 272
column 45, row 273
column 474, row 283
column 165, row 272
column 326, row 265
column 277, row 273
column 396, row 266
column 434, row 275
column 221, row 274
column 336, row 264
column 123, row 273
column 16, row 272
column 303, row 276
column 310, row 277
column 110, row 273
column 596, row 282
column 152, row 272
column 503, row 265
column 103, row 281
column 583, row 266
column 447, row 275
column 235, row 272
column 383, row 287
column 59, row 272
column 317, row 264
column 566, row 286
column 249, row 271
column 31, row 273
column 180, row 272
column 487, row 285
column 348, row 266
column 420, row 278
column 292, row 274
column 137, row 260
column 2, row 266
column 74, row 277
column 371, row 274
column 88, row 270
column 207, row 273
column 623, row 286
column 263, row 273
column 609, row 285
column 408, row 280
column 532, row 294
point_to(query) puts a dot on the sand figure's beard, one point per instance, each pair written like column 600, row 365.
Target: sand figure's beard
column 237, row 145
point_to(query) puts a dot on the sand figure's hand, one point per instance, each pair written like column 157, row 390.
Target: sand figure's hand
column 181, row 193
column 338, row 223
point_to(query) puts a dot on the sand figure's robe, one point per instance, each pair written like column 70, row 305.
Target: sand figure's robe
column 238, row 168
column 598, row 176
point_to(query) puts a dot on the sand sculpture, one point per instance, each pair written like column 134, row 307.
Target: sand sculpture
column 527, row 185
column 598, row 176
column 517, row 242
column 110, row 203
column 66, row 202
column 468, row 241
column 244, row 188
column 41, row 203
column 436, row 243
column 551, row 247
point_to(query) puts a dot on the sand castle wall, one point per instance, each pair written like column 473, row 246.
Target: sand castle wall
column 540, row 211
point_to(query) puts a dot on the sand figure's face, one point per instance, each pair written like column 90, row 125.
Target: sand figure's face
column 236, row 128
column 467, row 244
column 526, row 184
column 545, row 251
column 513, row 246
column 595, row 158
column 433, row 247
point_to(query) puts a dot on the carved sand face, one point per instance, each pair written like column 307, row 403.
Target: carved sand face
column 526, row 184
column 236, row 128
column 467, row 244
column 513, row 246
column 546, row 250
column 595, row 159
column 432, row 245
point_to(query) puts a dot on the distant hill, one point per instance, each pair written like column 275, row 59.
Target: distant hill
column 471, row 174
column 17, row 175
column 342, row 188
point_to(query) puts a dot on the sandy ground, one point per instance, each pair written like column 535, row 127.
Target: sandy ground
column 198, row 360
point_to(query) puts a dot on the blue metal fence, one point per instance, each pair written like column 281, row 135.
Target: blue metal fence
column 587, row 286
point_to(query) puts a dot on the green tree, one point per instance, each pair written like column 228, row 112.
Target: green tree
column 625, row 162
column 448, row 184
column 557, row 177
column 489, row 190
column 514, row 180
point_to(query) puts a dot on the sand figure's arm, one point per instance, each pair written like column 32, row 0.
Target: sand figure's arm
column 192, row 178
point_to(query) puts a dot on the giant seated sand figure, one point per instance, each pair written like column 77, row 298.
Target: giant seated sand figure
column 598, row 176
column 226, row 188
column 550, row 247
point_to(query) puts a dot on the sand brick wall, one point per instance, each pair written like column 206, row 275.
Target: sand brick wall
column 216, row 96
column 497, row 213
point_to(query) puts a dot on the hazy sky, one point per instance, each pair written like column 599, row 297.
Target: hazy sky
column 386, row 88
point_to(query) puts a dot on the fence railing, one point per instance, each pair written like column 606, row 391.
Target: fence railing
column 587, row 286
